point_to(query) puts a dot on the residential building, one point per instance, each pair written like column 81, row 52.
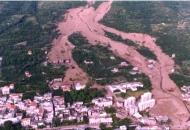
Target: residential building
column 79, row 86
column 146, row 101
column 5, row 90
column 123, row 64
column 25, row 122
column 100, row 120
column 103, row 102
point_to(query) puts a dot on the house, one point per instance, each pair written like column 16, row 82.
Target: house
column 112, row 57
column 5, row 90
column 123, row 64
column 148, row 128
column 27, row 74
column 66, row 87
column 21, row 106
column 150, row 66
column 19, row 116
column 185, row 88
column 123, row 127
column 11, row 86
column 119, row 103
column 161, row 119
column 25, row 122
column 115, row 70
column 173, row 55
column 16, row 97
column 135, row 68
column 148, row 121
column 102, row 102
column 33, row 105
column 78, row 86
column 88, row 62
column 29, row 52
column 58, row 80
column 131, row 109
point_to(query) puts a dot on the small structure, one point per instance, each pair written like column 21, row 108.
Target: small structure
column 88, row 62
column 79, row 86
column 66, row 87
column 29, row 52
column 25, row 122
column 115, row 70
column 27, row 74
column 173, row 55
column 112, row 57
column 135, row 68
column 123, row 64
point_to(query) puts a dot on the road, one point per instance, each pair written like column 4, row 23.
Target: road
column 71, row 127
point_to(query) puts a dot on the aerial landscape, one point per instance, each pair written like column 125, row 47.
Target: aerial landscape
column 95, row 65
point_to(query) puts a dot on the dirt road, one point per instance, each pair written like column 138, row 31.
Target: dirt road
column 85, row 20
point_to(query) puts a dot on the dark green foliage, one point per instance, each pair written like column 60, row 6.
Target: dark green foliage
column 110, row 110
column 144, row 51
column 96, row 4
column 85, row 95
column 8, row 125
column 180, row 80
column 77, row 39
column 102, row 126
column 32, row 22
column 119, row 122
column 119, row 38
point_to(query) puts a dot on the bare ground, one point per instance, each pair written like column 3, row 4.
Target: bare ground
column 85, row 20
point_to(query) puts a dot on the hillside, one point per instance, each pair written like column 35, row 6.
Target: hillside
column 29, row 26
column 167, row 21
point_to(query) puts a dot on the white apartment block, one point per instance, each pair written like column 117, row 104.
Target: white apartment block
column 130, row 101
column 131, row 109
column 146, row 101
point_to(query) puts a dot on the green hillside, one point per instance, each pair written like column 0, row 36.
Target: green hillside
column 29, row 26
column 168, row 21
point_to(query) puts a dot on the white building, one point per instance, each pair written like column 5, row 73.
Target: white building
column 146, row 101
column 129, row 101
column 102, row 102
column 131, row 109
column 25, row 122
column 124, row 86
column 79, row 86
column 5, row 90
column 100, row 120
column 114, row 70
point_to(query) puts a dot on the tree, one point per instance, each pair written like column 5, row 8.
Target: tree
column 110, row 110
column 102, row 126
column 8, row 125
column 57, row 122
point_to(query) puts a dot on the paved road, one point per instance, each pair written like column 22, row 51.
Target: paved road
column 71, row 127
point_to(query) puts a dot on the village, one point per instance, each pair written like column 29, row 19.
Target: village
column 43, row 110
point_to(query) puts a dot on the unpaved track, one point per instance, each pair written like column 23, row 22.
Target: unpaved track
column 85, row 20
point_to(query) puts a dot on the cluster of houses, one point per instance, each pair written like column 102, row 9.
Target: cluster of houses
column 65, row 86
column 125, row 86
column 45, row 108
column 186, row 93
